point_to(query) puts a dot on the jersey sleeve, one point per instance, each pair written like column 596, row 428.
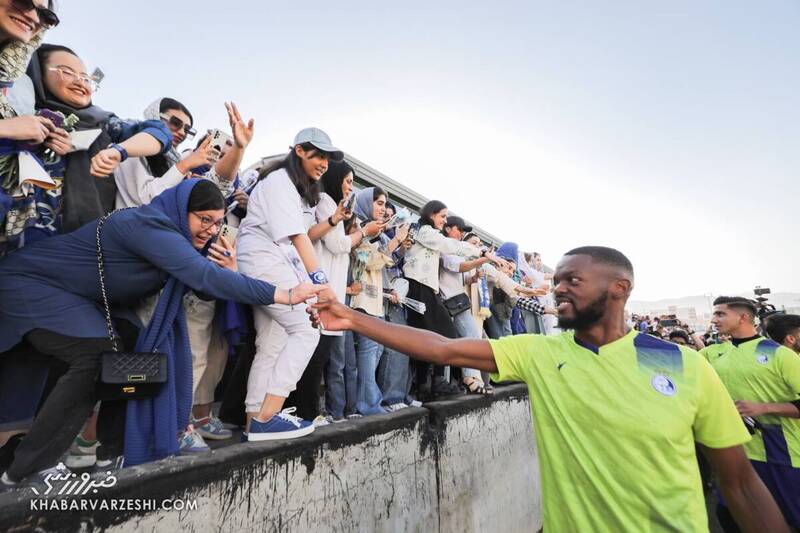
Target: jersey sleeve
column 717, row 423
column 512, row 357
column 789, row 368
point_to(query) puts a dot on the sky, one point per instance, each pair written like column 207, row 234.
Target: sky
column 667, row 130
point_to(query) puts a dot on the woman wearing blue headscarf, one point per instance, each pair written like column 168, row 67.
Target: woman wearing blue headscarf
column 371, row 259
column 50, row 305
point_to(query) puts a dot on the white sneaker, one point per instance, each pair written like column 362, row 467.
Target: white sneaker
column 82, row 453
column 192, row 442
column 320, row 421
column 396, row 407
column 415, row 403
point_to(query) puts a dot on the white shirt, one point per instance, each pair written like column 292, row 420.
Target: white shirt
column 422, row 260
column 333, row 251
column 451, row 281
column 275, row 212
column 136, row 185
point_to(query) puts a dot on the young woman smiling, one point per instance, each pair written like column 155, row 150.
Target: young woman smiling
column 274, row 246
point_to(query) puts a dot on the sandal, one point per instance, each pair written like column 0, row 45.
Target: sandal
column 475, row 386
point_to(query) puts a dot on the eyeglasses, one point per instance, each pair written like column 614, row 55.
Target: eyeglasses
column 207, row 222
column 179, row 125
column 47, row 17
column 70, row 76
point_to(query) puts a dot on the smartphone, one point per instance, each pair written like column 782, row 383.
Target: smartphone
column 350, row 202
column 219, row 140
column 229, row 232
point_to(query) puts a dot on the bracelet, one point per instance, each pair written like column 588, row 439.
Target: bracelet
column 291, row 305
column 330, row 221
column 123, row 153
column 318, row 277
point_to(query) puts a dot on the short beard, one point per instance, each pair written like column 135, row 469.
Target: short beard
column 588, row 316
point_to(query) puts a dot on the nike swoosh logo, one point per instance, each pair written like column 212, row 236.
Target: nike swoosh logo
column 560, row 365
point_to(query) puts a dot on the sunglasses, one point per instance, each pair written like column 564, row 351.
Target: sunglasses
column 178, row 124
column 47, row 17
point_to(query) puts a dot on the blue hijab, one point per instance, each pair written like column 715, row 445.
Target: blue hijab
column 153, row 424
column 364, row 200
column 508, row 251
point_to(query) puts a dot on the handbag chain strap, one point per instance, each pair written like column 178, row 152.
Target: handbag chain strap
column 101, row 274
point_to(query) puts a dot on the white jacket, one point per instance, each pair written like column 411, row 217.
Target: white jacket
column 422, row 260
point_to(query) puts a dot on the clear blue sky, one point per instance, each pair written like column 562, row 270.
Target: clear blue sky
column 668, row 130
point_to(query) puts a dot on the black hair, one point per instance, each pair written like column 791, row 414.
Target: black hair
column 47, row 49
column 679, row 333
column 604, row 255
column 334, row 177
column 205, row 196
column 738, row 302
column 390, row 205
column 171, row 103
column 428, row 210
column 158, row 163
column 306, row 187
column 377, row 192
column 780, row 325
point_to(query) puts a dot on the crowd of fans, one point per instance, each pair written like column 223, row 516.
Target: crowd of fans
column 291, row 222
column 213, row 266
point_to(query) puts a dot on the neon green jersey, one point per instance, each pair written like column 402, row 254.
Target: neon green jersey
column 763, row 371
column 616, row 426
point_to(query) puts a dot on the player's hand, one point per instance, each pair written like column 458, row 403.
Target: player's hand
column 750, row 408
column 334, row 315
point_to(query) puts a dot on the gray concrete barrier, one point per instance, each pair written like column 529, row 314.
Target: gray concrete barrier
column 460, row 465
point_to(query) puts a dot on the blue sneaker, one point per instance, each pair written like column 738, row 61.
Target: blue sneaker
column 213, row 429
column 281, row 426
column 191, row 442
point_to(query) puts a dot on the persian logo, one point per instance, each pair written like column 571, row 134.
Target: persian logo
column 762, row 359
column 72, row 485
column 663, row 385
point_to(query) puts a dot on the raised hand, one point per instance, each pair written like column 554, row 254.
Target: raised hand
column 242, row 133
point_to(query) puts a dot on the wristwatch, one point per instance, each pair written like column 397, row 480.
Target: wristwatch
column 330, row 221
column 318, row 277
column 122, row 151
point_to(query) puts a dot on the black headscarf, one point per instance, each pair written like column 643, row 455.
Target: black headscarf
column 333, row 178
column 84, row 197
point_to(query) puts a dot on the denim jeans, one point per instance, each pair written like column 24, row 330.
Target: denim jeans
column 533, row 323
column 497, row 328
column 394, row 371
column 467, row 328
column 368, row 354
column 340, row 378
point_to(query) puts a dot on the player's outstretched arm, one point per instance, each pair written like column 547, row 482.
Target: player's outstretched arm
column 416, row 343
column 748, row 499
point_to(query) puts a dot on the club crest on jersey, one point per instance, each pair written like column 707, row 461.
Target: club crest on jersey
column 762, row 359
column 663, row 385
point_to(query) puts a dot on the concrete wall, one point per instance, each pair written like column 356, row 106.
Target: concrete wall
column 464, row 465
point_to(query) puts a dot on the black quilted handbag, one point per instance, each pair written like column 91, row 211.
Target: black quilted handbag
column 125, row 375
